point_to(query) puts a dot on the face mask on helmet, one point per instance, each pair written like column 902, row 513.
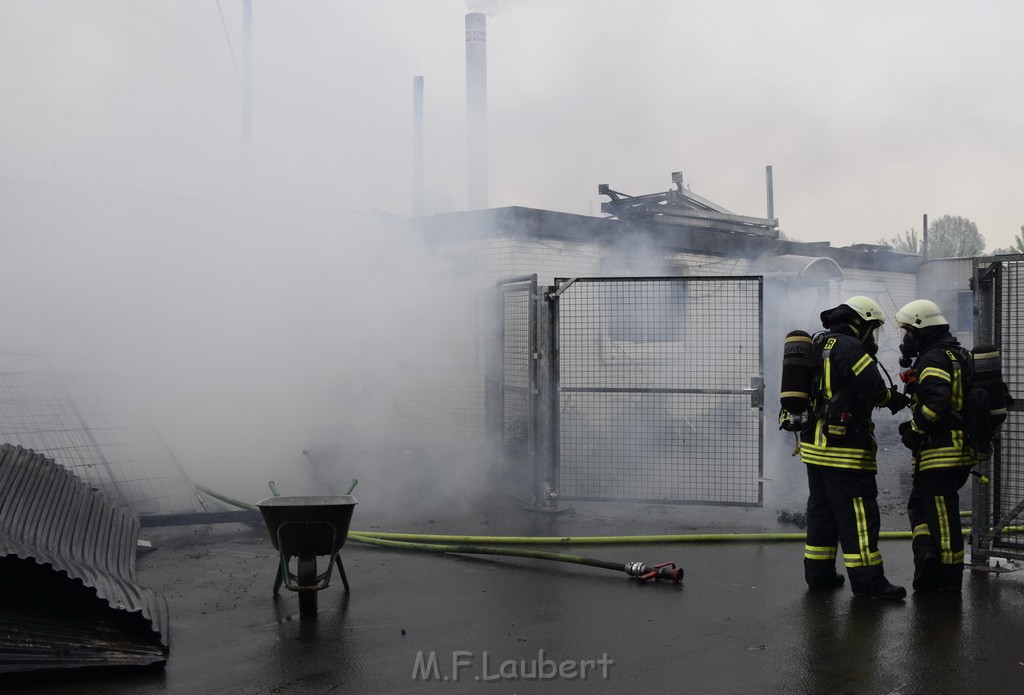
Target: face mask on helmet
column 870, row 337
column 909, row 347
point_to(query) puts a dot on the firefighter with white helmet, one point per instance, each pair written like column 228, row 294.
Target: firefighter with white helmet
column 837, row 443
column 935, row 436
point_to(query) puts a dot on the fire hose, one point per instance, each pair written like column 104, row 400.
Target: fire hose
column 582, row 540
column 643, row 572
column 639, row 570
column 470, row 545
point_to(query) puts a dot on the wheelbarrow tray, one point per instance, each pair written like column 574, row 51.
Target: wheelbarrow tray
column 307, row 525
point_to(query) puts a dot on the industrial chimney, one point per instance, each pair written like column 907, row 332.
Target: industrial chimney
column 417, row 145
column 476, row 108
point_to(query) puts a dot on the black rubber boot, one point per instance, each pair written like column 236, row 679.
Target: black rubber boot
column 825, row 582
column 950, row 578
column 821, row 574
column 926, row 569
column 880, row 588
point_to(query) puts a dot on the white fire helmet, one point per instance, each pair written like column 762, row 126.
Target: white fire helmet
column 866, row 308
column 920, row 313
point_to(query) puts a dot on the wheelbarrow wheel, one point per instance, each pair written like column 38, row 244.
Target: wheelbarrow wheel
column 307, row 577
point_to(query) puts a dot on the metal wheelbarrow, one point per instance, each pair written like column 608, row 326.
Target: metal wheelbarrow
column 305, row 527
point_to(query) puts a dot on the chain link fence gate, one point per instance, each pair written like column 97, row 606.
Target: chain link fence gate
column 660, row 389
column 512, row 393
column 629, row 389
column 997, row 526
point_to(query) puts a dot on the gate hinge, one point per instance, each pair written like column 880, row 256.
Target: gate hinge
column 565, row 285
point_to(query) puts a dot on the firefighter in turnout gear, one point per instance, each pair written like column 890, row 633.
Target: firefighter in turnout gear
column 838, row 445
column 935, row 436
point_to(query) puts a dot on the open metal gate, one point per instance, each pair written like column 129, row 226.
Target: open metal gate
column 998, row 508
column 512, row 387
column 630, row 389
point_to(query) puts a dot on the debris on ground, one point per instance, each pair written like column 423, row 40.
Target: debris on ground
column 798, row 519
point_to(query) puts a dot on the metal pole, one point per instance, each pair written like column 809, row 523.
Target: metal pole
column 246, row 71
column 924, row 238
column 476, row 108
column 771, row 193
column 417, row 145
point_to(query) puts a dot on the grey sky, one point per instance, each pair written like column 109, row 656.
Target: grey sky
column 870, row 113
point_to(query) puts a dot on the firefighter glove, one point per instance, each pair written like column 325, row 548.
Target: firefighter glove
column 897, row 401
column 790, row 422
column 912, row 439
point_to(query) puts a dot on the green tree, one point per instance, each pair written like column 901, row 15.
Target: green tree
column 954, row 237
column 1016, row 247
column 907, row 242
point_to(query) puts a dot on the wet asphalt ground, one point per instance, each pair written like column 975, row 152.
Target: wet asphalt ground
column 741, row 621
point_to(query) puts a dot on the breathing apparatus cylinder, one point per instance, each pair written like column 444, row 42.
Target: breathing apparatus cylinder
column 797, row 373
column 988, row 375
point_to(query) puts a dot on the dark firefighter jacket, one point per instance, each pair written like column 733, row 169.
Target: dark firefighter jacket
column 937, row 401
column 840, row 433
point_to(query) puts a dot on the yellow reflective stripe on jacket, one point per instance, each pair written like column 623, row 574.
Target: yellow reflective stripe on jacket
column 943, row 458
column 957, row 454
column 858, row 459
column 820, row 552
column 821, row 454
column 958, row 384
column 826, row 376
column 929, row 413
column 921, row 530
column 862, row 364
column 936, row 372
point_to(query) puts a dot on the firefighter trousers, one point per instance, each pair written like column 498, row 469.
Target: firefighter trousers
column 842, row 509
column 934, row 511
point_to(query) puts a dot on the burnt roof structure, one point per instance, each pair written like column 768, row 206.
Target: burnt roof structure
column 531, row 224
column 684, row 208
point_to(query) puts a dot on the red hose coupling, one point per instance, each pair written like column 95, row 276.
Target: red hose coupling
column 665, row 570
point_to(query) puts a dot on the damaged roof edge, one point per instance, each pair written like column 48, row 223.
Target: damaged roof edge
column 529, row 223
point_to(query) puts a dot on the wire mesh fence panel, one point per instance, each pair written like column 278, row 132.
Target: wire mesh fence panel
column 516, row 384
column 999, row 294
column 88, row 425
column 998, row 506
column 656, row 402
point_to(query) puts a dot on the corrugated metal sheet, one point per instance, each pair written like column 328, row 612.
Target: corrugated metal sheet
column 67, row 558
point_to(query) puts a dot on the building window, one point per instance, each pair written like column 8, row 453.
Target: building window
column 964, row 312
column 646, row 311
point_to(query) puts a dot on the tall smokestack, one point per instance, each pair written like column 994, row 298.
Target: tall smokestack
column 417, row 145
column 476, row 108
column 246, row 72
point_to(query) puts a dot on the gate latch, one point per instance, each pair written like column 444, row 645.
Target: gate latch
column 756, row 392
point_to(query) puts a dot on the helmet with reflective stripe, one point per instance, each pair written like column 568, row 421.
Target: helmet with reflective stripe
column 920, row 313
column 866, row 308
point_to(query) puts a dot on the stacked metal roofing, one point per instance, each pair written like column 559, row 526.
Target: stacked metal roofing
column 684, row 208
column 67, row 557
